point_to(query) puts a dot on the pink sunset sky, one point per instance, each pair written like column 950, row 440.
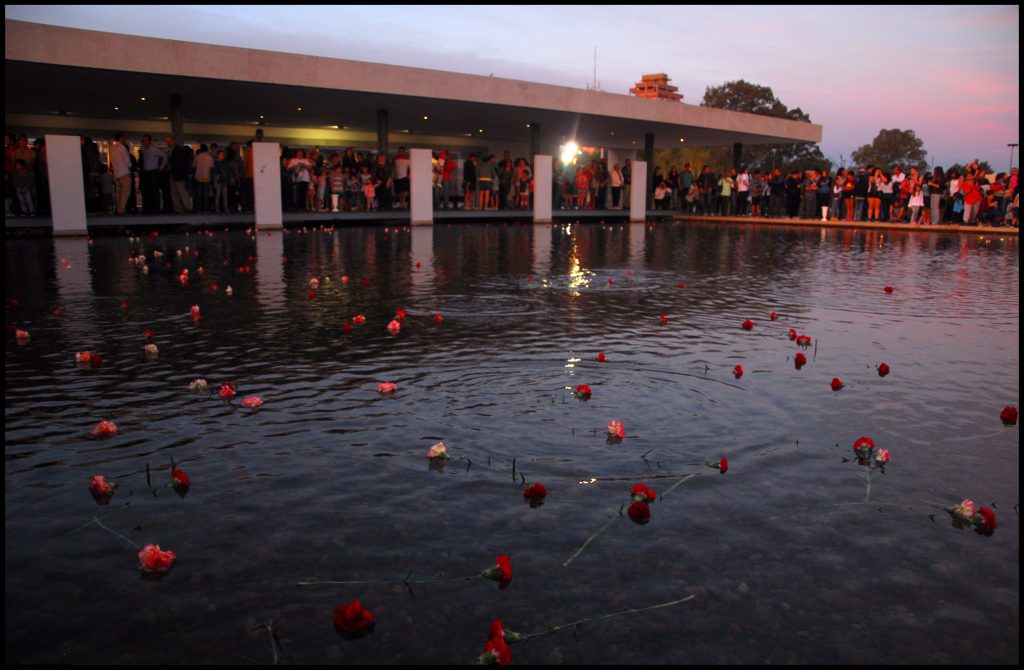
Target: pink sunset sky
column 950, row 73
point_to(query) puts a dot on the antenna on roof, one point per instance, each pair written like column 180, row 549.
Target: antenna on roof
column 596, row 85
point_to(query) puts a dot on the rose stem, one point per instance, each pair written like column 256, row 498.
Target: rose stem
column 608, row 616
column 392, row 581
column 677, row 484
column 590, row 539
column 113, row 511
column 867, row 495
column 100, row 524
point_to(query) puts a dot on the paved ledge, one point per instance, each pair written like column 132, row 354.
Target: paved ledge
column 816, row 223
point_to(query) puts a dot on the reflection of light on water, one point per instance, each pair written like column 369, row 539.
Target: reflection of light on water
column 589, row 481
column 571, row 362
column 578, row 277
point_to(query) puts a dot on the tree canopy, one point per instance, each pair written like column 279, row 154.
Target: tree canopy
column 743, row 96
column 892, row 148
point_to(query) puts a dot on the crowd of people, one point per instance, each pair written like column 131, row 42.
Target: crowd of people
column 211, row 178
column 869, row 193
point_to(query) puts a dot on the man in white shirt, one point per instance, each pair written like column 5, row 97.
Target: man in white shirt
column 743, row 190
column 121, row 170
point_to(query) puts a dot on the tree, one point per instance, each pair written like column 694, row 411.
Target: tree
column 742, row 96
column 892, row 148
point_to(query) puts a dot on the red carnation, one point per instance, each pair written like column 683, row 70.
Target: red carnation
column 496, row 652
column 104, row 429
column 583, row 392
column 988, row 518
column 535, row 492
column 101, row 490
column 180, row 482
column 149, row 334
column 837, row 383
column 227, row 390
column 352, row 621
column 1009, row 415
column 723, row 465
column 601, row 357
column 682, row 285
column 664, row 319
column 799, row 360
column 400, row 314
column 737, row 371
column 639, row 512
column 438, row 318
column 152, row 559
column 641, row 492
column 792, row 334
column 501, row 571
column 310, row 294
column 883, row 369
column 610, row 282
column 347, row 327
column 748, row 325
column 803, row 341
column 889, row 289
column 773, row 316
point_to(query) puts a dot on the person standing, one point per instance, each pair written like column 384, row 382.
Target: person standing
column 204, row 177
column 742, row 191
column 180, row 167
column 383, row 181
column 402, row 163
column 121, row 171
column 617, row 182
column 469, row 182
column 153, row 162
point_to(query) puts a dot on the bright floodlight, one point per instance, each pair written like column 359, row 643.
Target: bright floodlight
column 569, row 152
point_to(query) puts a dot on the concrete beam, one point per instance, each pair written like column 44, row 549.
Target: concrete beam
column 542, row 169
column 67, row 185
column 266, row 173
column 421, row 183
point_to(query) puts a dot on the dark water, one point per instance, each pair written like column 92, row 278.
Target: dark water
column 796, row 555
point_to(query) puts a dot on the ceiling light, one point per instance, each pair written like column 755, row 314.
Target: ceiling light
column 426, row 118
column 298, row 109
column 527, row 125
column 681, row 139
column 116, row 109
column 143, row 99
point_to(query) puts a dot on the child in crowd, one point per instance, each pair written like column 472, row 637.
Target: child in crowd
column 353, row 191
column 662, row 193
column 916, row 203
column 368, row 187
column 337, row 186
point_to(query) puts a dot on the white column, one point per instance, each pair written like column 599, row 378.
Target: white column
column 541, row 189
column 421, row 183
column 638, row 197
column 67, row 188
column 266, row 172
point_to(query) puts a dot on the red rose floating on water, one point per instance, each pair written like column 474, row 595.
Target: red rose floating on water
column 252, row 402
column 639, row 512
column 154, row 560
column 227, row 390
column 610, row 282
column 966, row 514
column 747, row 325
column 394, row 327
column 352, row 621
column 101, row 490
column 988, row 519
column 803, row 341
column 496, row 652
column 400, row 315
column 682, row 285
column 773, row 316
column 883, row 369
column 1009, row 415
column 104, row 429
column 149, row 334
column 359, row 319
column 21, row 336
column 535, row 494
column 310, row 294
column 642, row 493
column 792, row 334
column 583, row 392
column 439, row 318
column 616, row 429
column 501, row 571
column 799, row 360
column 737, row 371
column 889, row 289
column 601, row 357
column 664, row 319
column 837, row 383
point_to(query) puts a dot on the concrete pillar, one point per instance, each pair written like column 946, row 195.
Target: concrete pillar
column 382, row 132
column 638, row 198
column 421, row 183
column 534, row 138
column 649, row 157
column 541, row 188
column 737, row 155
column 266, row 172
column 177, row 117
column 67, row 186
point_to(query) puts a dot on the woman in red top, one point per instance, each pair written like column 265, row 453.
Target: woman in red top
column 972, row 200
column 583, row 187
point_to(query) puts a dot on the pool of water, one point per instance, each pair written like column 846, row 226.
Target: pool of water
column 795, row 555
